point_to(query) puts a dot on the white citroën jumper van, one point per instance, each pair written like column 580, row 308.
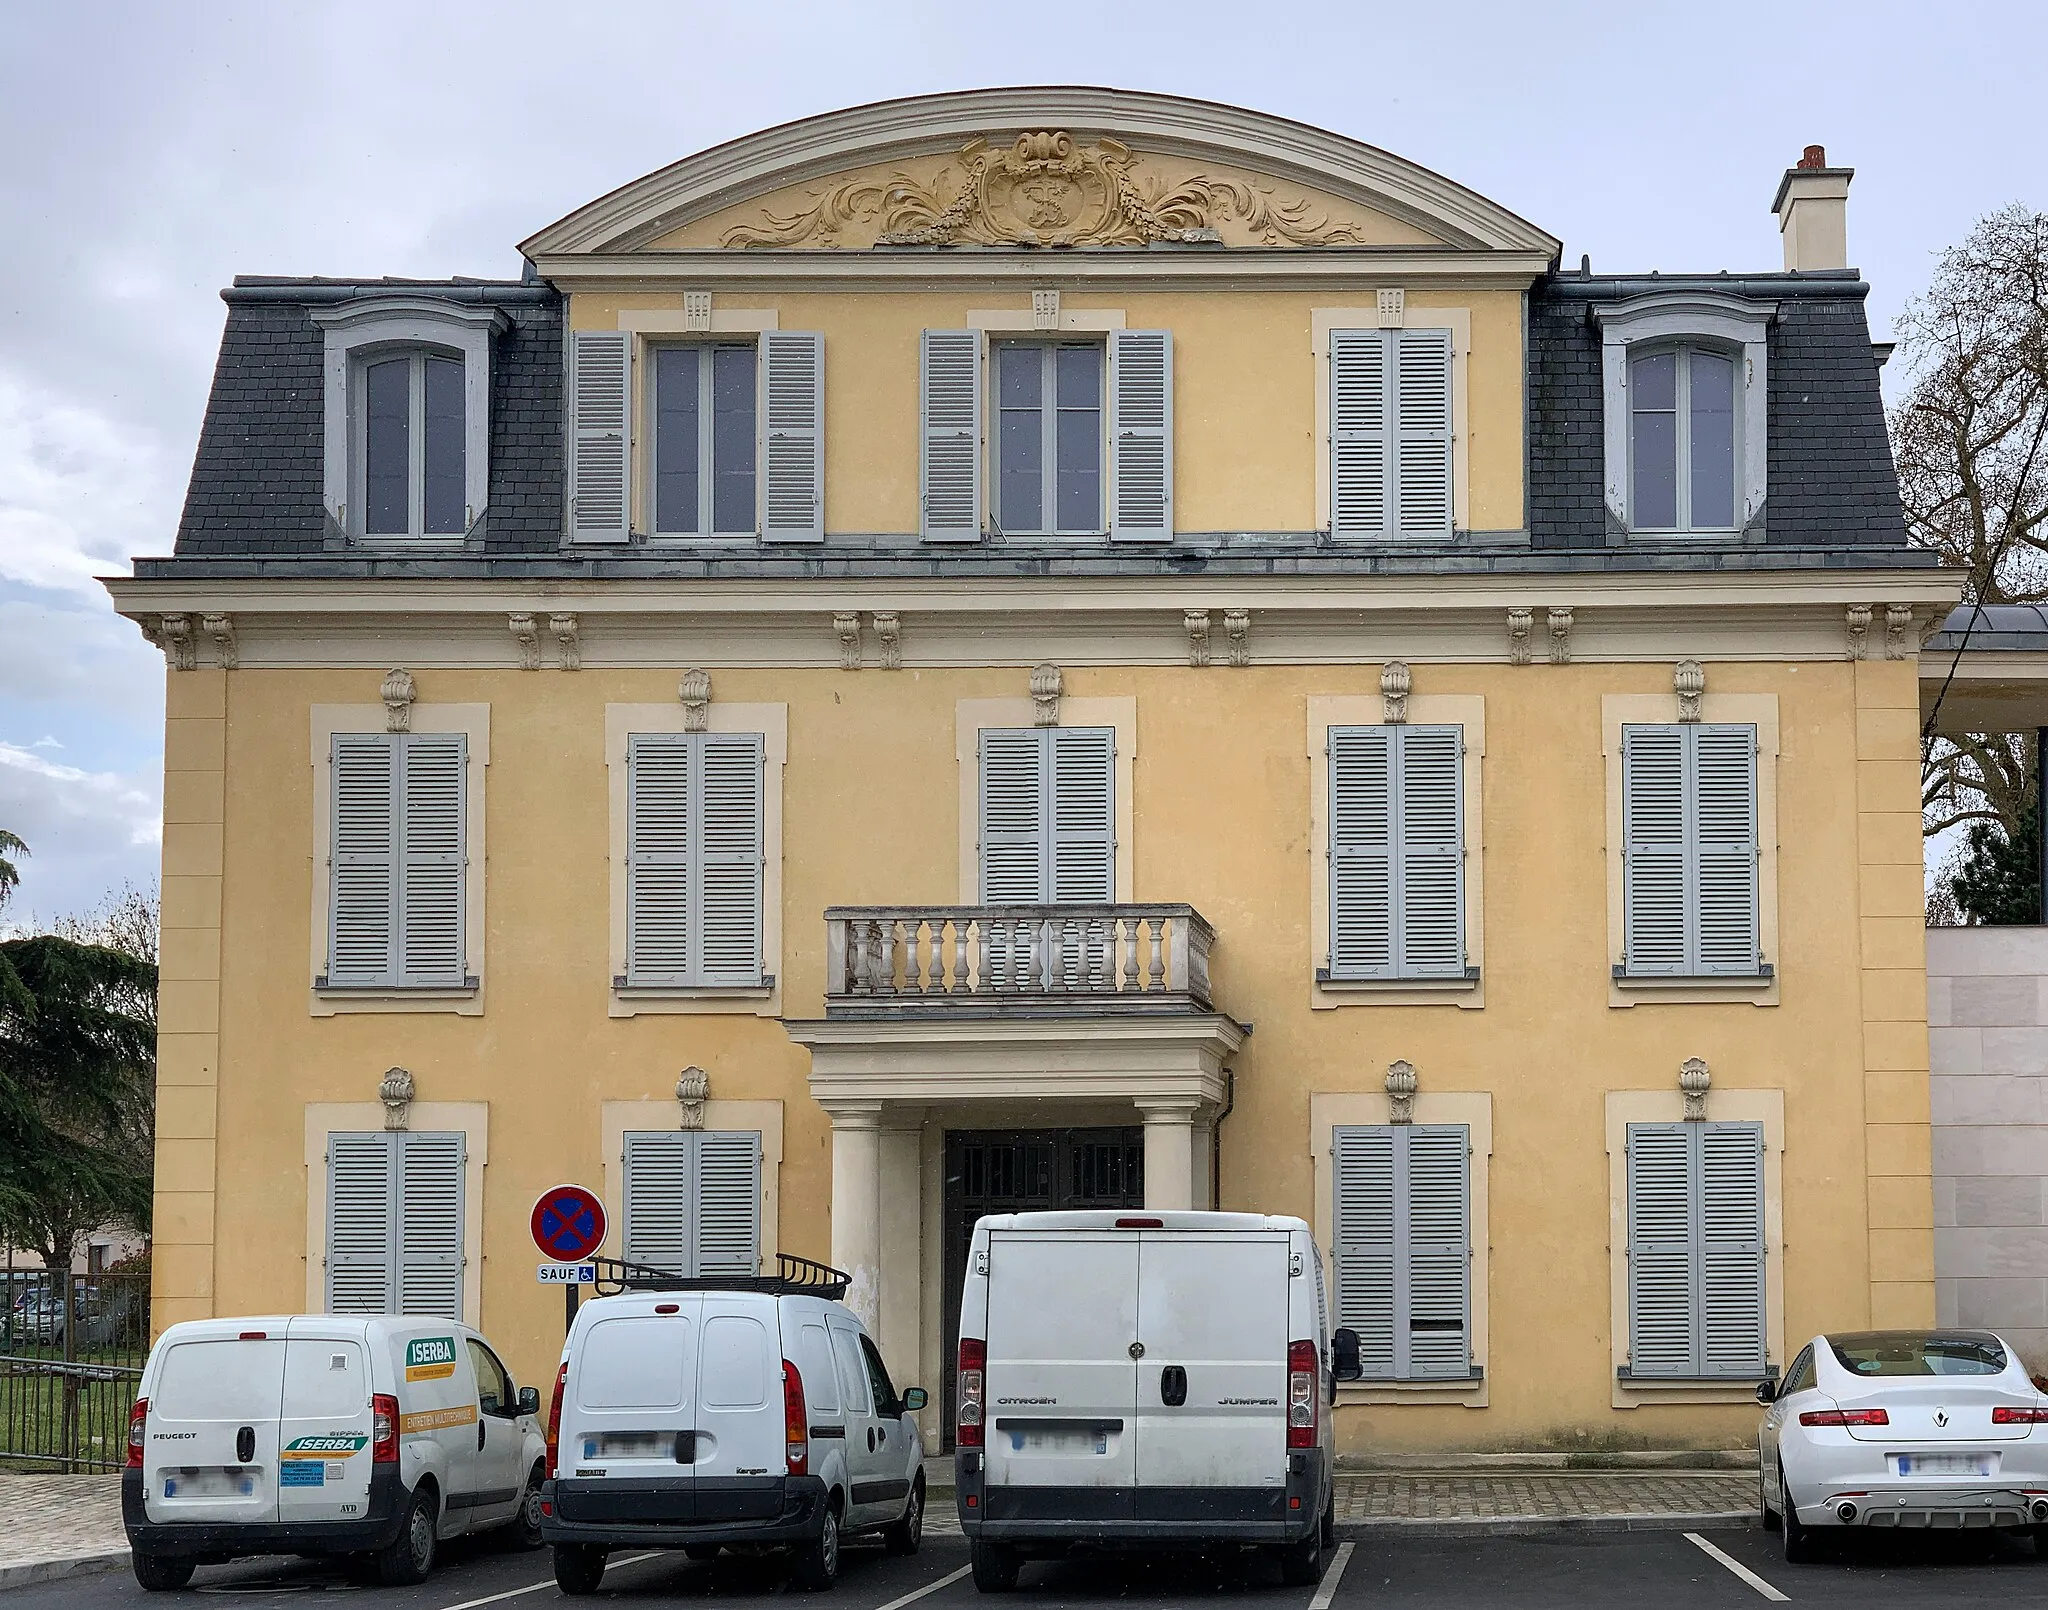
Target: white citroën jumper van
column 1143, row 1379
column 325, row 1434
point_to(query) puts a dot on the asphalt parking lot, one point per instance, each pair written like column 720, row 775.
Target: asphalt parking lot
column 1667, row 1569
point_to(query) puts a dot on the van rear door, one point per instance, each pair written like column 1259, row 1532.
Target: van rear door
column 323, row 1468
column 631, row 1406
column 738, row 1454
column 1061, row 1391
column 1212, row 1313
column 212, row 1442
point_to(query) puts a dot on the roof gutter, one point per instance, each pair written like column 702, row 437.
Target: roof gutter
column 1778, row 287
column 302, row 294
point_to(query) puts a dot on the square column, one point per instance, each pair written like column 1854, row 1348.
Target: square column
column 1171, row 1179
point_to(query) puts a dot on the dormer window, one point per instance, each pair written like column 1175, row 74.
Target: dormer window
column 1681, row 405
column 409, row 408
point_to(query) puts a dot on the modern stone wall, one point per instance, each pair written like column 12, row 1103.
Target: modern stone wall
column 1987, row 1017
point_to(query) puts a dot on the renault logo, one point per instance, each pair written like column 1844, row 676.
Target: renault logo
column 1941, row 1417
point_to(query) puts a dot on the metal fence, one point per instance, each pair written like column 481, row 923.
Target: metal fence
column 71, row 1354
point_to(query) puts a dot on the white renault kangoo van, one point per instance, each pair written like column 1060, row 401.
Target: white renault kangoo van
column 325, row 1434
column 745, row 1412
column 1143, row 1379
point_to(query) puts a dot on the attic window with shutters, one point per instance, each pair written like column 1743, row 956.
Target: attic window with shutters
column 407, row 416
column 1391, row 441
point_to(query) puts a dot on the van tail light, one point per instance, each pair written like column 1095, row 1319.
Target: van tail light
column 1845, row 1417
column 968, row 1387
column 138, row 1418
column 1301, row 1394
column 796, row 1428
column 555, row 1421
column 384, row 1429
column 2003, row 1415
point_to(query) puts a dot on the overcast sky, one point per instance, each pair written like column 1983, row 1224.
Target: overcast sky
column 151, row 151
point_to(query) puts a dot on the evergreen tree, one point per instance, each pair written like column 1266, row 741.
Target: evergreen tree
column 1999, row 880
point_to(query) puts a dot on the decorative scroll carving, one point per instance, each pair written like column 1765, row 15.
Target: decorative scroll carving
column 1856, row 619
column 889, row 633
column 1693, row 1079
column 398, row 692
column 693, row 1088
column 1395, row 681
column 567, row 640
column 1046, row 686
column 396, row 1091
column 1898, row 620
column 1401, row 1092
column 1196, row 623
column 1689, row 681
column 695, row 692
column 221, row 628
column 1561, row 635
column 846, row 627
column 527, row 635
column 173, row 635
column 1046, row 189
column 1237, row 630
column 1519, row 620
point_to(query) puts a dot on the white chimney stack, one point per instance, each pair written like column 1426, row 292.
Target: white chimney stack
column 1813, row 212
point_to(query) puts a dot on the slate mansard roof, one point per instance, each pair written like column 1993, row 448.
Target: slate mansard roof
column 254, row 505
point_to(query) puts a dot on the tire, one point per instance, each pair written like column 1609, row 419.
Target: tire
column 524, row 1532
column 700, row 1552
column 1797, row 1539
column 1301, row 1564
column 903, row 1536
column 410, row 1556
column 995, row 1565
column 2040, row 1536
column 815, row 1565
column 578, row 1567
column 1772, row 1520
column 1329, row 1526
column 160, row 1574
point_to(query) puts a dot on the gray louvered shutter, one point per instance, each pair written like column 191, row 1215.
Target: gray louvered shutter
column 431, row 851
column 1724, row 849
column 1082, row 813
column 1429, row 883
column 949, row 468
column 1361, row 852
column 600, row 430
column 1663, row 1323
column 1141, row 435
column 429, row 1228
column 658, row 891
column 1014, row 868
column 1437, row 1251
column 361, row 1188
column 1364, row 1254
column 1359, row 477
column 362, row 859
column 728, row 872
column 792, row 436
column 660, row 1200
column 1422, row 433
column 728, row 1202
column 1731, row 1249
column 1653, row 848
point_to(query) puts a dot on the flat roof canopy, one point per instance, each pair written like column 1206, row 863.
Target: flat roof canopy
column 1993, row 661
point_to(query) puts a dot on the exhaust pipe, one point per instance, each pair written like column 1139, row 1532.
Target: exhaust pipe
column 1846, row 1512
column 2041, row 1511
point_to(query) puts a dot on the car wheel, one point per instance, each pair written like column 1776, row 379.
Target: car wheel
column 410, row 1555
column 1329, row 1527
column 2040, row 1534
column 995, row 1565
column 1772, row 1519
column 525, row 1528
column 1798, row 1540
column 903, row 1536
column 700, row 1552
column 157, row 1574
column 817, row 1562
column 578, row 1567
column 1301, row 1564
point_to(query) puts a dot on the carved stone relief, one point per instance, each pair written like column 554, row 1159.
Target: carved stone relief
column 1561, row 635
column 1689, row 682
column 1519, row 621
column 221, row 628
column 1856, row 620
column 527, row 635
column 1196, row 623
column 1395, row 681
column 1693, row 1080
column 173, row 634
column 889, row 633
column 693, row 1088
column 1046, row 686
column 396, row 1090
column 398, row 691
column 1401, row 1092
column 1237, row 629
column 695, row 692
column 567, row 640
column 846, row 627
column 1898, row 621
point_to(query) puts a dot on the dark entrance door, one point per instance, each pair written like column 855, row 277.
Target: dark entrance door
column 1027, row 1171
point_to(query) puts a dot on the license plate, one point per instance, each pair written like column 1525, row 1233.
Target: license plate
column 229, row 1483
column 1059, row 1442
column 631, row 1445
column 1944, row 1464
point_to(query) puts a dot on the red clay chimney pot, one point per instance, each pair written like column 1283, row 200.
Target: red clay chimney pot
column 1816, row 156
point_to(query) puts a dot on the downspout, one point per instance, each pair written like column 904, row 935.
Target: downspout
column 1216, row 1138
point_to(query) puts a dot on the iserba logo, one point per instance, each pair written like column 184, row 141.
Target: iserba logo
column 323, row 1447
column 430, row 1358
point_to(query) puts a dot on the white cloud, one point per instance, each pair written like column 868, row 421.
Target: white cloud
column 88, row 832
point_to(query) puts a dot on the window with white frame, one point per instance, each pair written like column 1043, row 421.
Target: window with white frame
column 397, row 861
column 693, row 1201
column 1696, row 1251
column 1690, row 851
column 694, row 867
column 1682, row 439
column 1397, row 852
column 1402, row 1198
column 1390, row 434
column 394, row 1222
column 703, row 406
column 1048, row 437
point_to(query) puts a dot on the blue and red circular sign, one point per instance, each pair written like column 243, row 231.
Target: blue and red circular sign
column 568, row 1223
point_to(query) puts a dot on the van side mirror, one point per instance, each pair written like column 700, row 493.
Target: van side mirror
column 1345, row 1362
column 529, row 1400
column 915, row 1398
column 1767, row 1391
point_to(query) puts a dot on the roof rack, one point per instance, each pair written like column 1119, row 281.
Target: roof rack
column 793, row 1277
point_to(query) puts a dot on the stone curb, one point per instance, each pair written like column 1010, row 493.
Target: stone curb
column 1538, row 1525
column 1688, row 1462
column 21, row 1576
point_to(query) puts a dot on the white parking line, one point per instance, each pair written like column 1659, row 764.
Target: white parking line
column 930, row 1587
column 1331, row 1577
column 536, row 1587
column 1739, row 1569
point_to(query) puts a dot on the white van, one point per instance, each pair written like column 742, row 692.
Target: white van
column 1143, row 1379
column 751, row 1413
column 325, row 1434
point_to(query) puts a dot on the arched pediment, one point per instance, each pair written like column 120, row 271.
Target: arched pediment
column 1028, row 168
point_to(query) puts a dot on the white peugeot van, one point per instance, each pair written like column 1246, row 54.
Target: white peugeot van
column 1142, row 1379
column 325, row 1434
column 745, row 1412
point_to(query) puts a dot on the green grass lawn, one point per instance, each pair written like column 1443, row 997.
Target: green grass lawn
column 33, row 1421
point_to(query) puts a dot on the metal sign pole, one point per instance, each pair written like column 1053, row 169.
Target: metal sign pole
column 569, row 1293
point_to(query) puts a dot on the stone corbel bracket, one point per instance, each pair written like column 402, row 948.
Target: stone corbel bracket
column 1401, row 1092
column 695, row 692
column 846, row 628
column 1520, row 619
column 398, row 691
column 1195, row 622
column 1898, row 621
column 1689, row 682
column 1395, row 681
column 889, row 634
column 567, row 640
column 173, row 635
column 1047, row 685
column 1693, row 1080
column 1856, row 627
column 526, row 633
column 693, row 1089
column 1237, row 631
column 221, row 629
column 1560, row 634
column 397, row 1090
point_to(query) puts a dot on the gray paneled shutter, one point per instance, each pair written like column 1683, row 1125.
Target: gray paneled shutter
column 694, row 873
column 1358, row 434
column 1366, row 1239
column 1434, row 1199
column 431, row 853
column 362, row 860
column 792, row 436
column 728, row 871
column 728, row 1202
column 1653, row 849
column 1429, row 837
column 428, row 1230
column 361, row 1187
column 1724, row 847
column 1014, row 868
column 658, row 892
column 661, row 1195
column 1663, row 1316
column 1141, row 435
column 600, row 430
column 1082, row 814
column 1362, row 852
column 1731, row 1249
column 1690, row 853
column 949, row 468
column 1422, row 433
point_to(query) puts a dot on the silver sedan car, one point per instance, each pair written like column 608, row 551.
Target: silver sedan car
column 1936, row 1429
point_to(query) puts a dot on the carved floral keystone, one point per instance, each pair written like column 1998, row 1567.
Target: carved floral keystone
column 396, row 1091
column 693, row 1089
column 1693, row 1080
column 1401, row 1092
column 1046, row 686
column 695, row 692
column 398, row 691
